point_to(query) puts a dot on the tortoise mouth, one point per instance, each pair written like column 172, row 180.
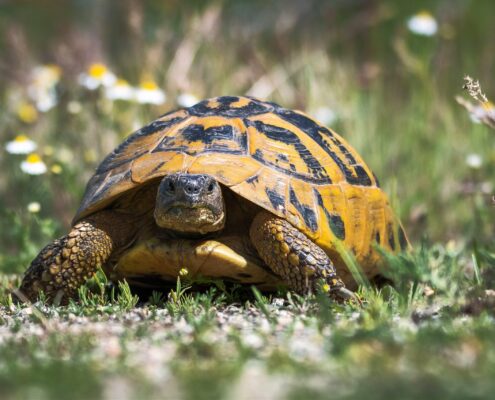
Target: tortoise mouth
column 194, row 218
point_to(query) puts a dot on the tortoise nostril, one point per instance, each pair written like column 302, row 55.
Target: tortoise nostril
column 192, row 188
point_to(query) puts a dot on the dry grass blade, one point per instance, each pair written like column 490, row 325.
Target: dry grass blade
column 485, row 110
column 32, row 308
column 474, row 89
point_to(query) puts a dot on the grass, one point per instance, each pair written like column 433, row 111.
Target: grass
column 432, row 337
column 429, row 333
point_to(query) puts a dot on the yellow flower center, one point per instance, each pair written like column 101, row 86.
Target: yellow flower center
column 48, row 150
column 121, row 82
column 424, row 15
column 97, row 70
column 21, row 138
column 54, row 69
column 90, row 155
column 27, row 113
column 56, row 169
column 488, row 105
column 149, row 85
column 33, row 158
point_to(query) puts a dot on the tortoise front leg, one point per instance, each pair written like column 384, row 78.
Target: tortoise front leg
column 64, row 265
column 294, row 257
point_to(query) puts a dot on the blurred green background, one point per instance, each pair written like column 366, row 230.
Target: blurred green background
column 359, row 66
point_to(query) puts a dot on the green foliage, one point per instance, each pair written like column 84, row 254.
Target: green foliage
column 177, row 298
column 156, row 299
column 98, row 294
column 27, row 372
column 261, row 302
column 22, row 234
column 395, row 342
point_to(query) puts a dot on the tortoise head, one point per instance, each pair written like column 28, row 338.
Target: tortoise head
column 190, row 203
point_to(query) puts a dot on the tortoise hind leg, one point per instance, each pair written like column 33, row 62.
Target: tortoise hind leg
column 64, row 265
column 291, row 255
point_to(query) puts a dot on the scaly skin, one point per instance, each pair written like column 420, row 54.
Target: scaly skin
column 295, row 258
column 64, row 265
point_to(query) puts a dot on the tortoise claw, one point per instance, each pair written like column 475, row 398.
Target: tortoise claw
column 344, row 295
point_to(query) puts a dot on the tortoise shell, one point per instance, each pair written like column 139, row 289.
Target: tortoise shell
column 282, row 160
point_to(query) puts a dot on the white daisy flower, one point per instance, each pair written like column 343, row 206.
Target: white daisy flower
column 121, row 90
column 97, row 75
column 34, row 207
column 474, row 161
column 74, row 107
column 41, row 88
column 149, row 93
column 482, row 112
column 21, row 145
column 46, row 75
column 65, row 155
column 46, row 101
column 187, row 100
column 33, row 165
column 325, row 115
column 423, row 23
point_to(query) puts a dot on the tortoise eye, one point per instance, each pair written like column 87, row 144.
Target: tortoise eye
column 211, row 186
column 170, row 186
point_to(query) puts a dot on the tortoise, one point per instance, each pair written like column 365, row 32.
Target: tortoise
column 232, row 188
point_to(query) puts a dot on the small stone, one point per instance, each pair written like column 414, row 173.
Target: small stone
column 253, row 340
column 27, row 311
